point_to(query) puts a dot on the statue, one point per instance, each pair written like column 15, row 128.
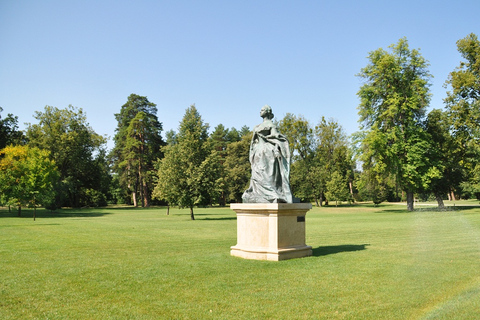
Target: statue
column 270, row 161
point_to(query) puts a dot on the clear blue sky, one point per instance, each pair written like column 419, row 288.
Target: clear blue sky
column 229, row 58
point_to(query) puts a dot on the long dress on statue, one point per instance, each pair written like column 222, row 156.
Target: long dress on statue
column 270, row 161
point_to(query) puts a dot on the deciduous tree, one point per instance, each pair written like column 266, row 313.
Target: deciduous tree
column 463, row 108
column 27, row 176
column 332, row 154
column 445, row 154
column 9, row 132
column 73, row 145
column 393, row 100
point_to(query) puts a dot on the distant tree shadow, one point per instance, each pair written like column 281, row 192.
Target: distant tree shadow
column 433, row 209
column 217, row 219
column 42, row 214
column 326, row 250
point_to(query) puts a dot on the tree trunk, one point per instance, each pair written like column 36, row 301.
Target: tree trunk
column 146, row 192
column 410, row 201
column 223, row 200
column 439, row 199
column 350, row 184
column 140, row 187
column 192, row 217
column 316, row 202
column 34, row 209
column 19, row 211
column 134, row 198
column 453, row 195
column 168, row 210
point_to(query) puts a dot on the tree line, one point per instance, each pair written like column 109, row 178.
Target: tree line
column 401, row 152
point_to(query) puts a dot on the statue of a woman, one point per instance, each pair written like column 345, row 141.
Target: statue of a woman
column 270, row 160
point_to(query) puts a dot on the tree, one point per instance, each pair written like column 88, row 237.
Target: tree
column 463, row 109
column 238, row 168
column 305, row 176
column 393, row 101
column 332, row 154
column 337, row 187
column 74, row 146
column 189, row 171
column 27, row 176
column 9, row 133
column 219, row 141
column 317, row 153
column 446, row 155
column 463, row 104
column 138, row 145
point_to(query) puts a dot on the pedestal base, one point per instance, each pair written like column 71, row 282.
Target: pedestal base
column 271, row 231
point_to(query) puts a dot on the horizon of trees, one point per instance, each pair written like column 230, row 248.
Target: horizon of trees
column 404, row 152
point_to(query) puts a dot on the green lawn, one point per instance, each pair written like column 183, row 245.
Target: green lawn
column 124, row 263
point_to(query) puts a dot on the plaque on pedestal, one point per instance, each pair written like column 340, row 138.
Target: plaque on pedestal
column 271, row 231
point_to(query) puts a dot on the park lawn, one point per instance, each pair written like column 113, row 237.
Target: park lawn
column 125, row 263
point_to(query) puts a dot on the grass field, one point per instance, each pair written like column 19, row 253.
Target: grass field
column 125, row 263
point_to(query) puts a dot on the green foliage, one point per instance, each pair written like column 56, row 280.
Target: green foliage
column 219, row 141
column 462, row 101
column 337, row 188
column 333, row 153
column 318, row 153
column 299, row 134
column 463, row 109
column 237, row 168
column 189, row 172
column 93, row 198
column 9, row 133
column 370, row 188
column 76, row 149
column 27, row 176
column 393, row 101
column 445, row 154
column 138, row 145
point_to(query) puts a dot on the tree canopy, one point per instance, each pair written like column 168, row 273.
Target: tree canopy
column 403, row 151
column 189, row 172
column 9, row 132
column 27, row 176
column 393, row 102
column 138, row 143
column 74, row 146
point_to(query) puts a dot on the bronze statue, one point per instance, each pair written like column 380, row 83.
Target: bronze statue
column 270, row 161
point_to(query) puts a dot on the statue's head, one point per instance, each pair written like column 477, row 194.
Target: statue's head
column 266, row 112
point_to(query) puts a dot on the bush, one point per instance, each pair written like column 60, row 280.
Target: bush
column 93, row 198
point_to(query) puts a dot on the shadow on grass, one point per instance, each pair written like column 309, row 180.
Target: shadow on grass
column 327, row 250
column 433, row 209
column 42, row 214
column 217, row 219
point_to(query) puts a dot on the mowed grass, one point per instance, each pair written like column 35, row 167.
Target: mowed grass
column 125, row 263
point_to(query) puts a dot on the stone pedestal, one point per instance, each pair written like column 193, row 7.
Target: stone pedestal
column 271, row 231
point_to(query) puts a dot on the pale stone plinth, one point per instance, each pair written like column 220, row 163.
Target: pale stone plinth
column 271, row 231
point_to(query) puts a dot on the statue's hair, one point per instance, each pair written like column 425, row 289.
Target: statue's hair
column 268, row 109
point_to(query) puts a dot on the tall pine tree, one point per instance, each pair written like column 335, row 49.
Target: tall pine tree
column 138, row 145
